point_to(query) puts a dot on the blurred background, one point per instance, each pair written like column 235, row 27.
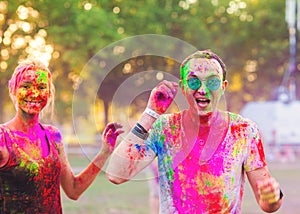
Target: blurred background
column 257, row 39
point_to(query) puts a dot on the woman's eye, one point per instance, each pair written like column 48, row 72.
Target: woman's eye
column 42, row 87
column 25, row 86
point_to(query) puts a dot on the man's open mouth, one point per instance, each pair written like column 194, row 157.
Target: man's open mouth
column 203, row 101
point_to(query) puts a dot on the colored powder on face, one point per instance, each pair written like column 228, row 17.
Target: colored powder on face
column 184, row 73
column 42, row 76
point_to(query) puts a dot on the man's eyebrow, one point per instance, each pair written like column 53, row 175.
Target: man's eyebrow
column 214, row 75
column 192, row 74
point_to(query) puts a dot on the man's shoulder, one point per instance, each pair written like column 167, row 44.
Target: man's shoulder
column 239, row 119
column 168, row 120
column 170, row 117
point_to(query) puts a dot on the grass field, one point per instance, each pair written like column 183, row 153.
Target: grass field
column 104, row 197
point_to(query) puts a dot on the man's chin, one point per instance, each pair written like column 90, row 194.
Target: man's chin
column 204, row 112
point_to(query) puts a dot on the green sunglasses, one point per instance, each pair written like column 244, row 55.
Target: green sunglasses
column 212, row 83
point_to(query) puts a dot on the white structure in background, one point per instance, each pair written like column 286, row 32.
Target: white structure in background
column 279, row 125
column 278, row 121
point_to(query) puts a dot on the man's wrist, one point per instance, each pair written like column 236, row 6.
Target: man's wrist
column 151, row 112
column 146, row 121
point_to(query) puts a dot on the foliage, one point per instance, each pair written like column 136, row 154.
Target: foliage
column 250, row 35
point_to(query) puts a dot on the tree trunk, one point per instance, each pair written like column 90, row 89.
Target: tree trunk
column 106, row 106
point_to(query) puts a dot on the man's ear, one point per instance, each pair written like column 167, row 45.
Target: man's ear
column 181, row 85
column 224, row 85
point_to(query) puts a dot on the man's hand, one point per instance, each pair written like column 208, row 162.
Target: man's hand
column 268, row 190
column 162, row 96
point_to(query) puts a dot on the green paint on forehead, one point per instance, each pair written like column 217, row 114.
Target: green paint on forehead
column 184, row 73
column 202, row 65
column 42, row 76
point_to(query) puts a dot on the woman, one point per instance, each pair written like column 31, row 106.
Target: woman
column 33, row 163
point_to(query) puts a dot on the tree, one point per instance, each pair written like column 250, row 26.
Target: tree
column 22, row 35
column 251, row 36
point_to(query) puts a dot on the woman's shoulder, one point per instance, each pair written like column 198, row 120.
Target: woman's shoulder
column 53, row 132
column 50, row 127
column 2, row 134
column 4, row 152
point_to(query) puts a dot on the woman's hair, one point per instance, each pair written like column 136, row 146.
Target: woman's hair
column 206, row 54
column 17, row 76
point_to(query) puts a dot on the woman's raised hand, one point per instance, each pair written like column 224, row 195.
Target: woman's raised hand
column 110, row 135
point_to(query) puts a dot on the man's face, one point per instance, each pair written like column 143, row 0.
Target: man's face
column 33, row 91
column 203, row 85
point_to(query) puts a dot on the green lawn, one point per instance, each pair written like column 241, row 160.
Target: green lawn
column 104, row 197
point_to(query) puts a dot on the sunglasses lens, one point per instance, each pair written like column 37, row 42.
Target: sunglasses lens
column 194, row 83
column 213, row 84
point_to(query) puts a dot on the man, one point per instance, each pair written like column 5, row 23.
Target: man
column 203, row 152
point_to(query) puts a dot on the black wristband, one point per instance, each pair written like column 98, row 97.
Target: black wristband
column 281, row 195
column 137, row 132
column 141, row 127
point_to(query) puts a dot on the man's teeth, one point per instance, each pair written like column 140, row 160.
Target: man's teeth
column 202, row 100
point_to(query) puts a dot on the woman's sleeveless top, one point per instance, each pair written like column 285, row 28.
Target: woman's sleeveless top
column 28, row 185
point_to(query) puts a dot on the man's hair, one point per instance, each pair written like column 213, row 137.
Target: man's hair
column 23, row 66
column 206, row 54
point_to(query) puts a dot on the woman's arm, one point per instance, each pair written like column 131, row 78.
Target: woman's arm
column 75, row 185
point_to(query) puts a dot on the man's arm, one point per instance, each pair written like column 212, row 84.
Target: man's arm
column 266, row 189
column 133, row 155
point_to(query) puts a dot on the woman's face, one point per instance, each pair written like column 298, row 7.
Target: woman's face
column 33, row 91
column 204, row 85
